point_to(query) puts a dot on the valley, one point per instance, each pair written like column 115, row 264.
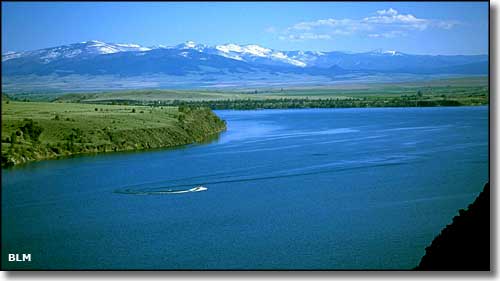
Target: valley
column 440, row 92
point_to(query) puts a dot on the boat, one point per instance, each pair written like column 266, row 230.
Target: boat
column 198, row 188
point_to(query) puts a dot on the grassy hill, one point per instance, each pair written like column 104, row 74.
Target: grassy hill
column 38, row 130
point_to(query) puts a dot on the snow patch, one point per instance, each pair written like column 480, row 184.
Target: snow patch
column 11, row 55
column 249, row 52
column 190, row 44
column 257, row 50
column 229, row 48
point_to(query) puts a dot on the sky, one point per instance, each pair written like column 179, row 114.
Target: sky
column 445, row 28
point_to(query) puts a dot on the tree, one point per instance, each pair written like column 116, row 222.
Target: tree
column 13, row 138
column 32, row 130
column 76, row 134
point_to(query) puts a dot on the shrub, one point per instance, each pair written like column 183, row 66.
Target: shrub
column 13, row 138
column 32, row 130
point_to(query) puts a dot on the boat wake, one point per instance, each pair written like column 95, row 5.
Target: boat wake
column 184, row 186
column 160, row 191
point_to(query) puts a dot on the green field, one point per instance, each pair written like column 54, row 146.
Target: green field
column 446, row 92
column 38, row 130
column 455, row 88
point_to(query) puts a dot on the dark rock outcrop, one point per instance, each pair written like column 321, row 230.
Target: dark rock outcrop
column 464, row 244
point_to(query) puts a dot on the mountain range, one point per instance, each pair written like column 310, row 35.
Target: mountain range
column 211, row 65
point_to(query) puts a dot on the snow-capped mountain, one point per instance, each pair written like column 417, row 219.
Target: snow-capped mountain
column 382, row 60
column 189, row 45
column 202, row 64
column 249, row 53
column 256, row 53
column 83, row 49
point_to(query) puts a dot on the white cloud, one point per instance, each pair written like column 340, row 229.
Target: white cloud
column 447, row 24
column 270, row 29
column 390, row 12
column 389, row 34
column 393, row 17
column 305, row 36
column 387, row 23
column 347, row 26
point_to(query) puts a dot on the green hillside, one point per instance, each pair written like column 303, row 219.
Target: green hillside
column 37, row 130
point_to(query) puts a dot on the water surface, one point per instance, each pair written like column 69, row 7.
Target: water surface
column 286, row 189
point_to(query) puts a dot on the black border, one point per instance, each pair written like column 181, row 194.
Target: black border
column 300, row 272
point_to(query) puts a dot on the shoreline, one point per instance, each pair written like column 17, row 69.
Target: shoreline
column 368, row 107
column 141, row 150
column 43, row 131
column 40, row 152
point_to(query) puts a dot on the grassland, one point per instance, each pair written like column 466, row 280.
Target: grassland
column 40, row 130
column 446, row 92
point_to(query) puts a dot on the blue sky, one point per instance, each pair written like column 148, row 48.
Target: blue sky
column 410, row 27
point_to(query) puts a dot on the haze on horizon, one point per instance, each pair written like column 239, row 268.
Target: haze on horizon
column 434, row 28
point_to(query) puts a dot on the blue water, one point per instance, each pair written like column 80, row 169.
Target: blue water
column 286, row 189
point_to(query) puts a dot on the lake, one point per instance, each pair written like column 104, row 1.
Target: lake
column 361, row 188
